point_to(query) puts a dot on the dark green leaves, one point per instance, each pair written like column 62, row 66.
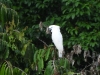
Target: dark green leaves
column 3, row 16
column 8, row 16
column 41, row 56
column 49, row 69
column 63, row 62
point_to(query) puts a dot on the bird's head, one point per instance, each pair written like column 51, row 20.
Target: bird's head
column 51, row 28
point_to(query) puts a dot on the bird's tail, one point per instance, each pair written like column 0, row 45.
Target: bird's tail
column 60, row 53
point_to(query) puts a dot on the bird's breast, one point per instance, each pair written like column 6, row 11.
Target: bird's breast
column 57, row 38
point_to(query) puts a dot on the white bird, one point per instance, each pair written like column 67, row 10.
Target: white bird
column 57, row 38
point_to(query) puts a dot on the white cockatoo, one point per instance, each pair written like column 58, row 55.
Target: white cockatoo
column 56, row 38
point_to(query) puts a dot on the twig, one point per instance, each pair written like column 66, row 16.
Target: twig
column 20, row 70
column 86, row 67
column 42, row 41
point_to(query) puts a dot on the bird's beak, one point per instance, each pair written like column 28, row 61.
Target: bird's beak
column 48, row 30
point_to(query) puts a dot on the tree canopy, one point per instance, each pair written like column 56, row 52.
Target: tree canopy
column 26, row 50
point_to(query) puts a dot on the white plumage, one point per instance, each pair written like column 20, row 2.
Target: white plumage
column 57, row 38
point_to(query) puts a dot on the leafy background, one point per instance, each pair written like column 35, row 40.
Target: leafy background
column 26, row 50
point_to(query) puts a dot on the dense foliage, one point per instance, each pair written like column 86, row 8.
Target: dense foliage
column 26, row 50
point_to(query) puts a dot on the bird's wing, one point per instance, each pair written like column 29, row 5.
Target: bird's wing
column 58, row 42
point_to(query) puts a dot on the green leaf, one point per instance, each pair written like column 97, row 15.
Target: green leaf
column 76, row 32
column 42, row 52
column 63, row 62
column 6, row 53
column 40, row 64
column 81, row 13
column 68, row 16
column 47, row 54
column 49, row 69
column 16, row 18
column 73, row 15
column 24, row 50
column 3, row 15
column 76, row 4
column 35, row 56
column 70, row 73
column 7, row 69
column 2, row 69
column 16, row 71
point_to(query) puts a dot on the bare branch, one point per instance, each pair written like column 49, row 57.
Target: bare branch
column 42, row 41
column 86, row 66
